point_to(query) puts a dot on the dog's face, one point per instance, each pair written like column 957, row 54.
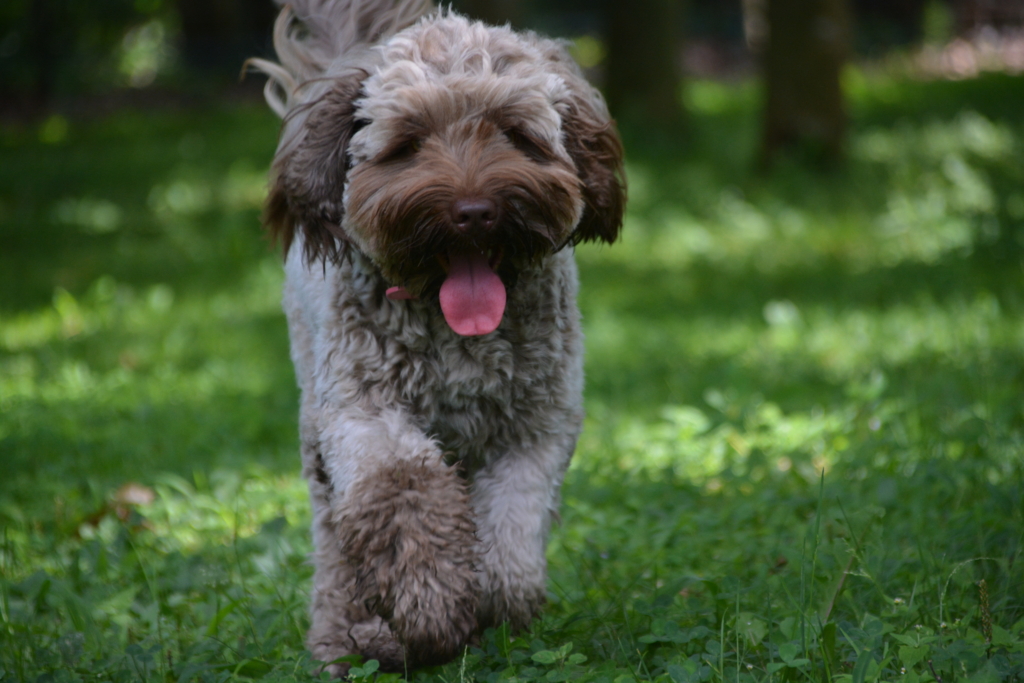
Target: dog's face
column 469, row 154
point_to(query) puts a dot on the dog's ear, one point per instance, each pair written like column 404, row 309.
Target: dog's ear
column 306, row 192
column 593, row 143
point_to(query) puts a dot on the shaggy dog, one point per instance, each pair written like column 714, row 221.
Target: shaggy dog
column 431, row 179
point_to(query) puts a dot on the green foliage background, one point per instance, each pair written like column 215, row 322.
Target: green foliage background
column 803, row 455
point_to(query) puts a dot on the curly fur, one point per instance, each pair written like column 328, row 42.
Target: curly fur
column 409, row 533
column 434, row 460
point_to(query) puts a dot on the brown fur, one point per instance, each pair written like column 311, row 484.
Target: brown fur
column 412, row 218
column 409, row 535
column 306, row 189
column 352, row 629
column 597, row 151
column 425, row 172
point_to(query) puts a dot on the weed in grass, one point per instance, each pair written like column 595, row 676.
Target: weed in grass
column 803, row 455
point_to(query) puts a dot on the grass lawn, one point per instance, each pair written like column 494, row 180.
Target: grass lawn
column 804, row 456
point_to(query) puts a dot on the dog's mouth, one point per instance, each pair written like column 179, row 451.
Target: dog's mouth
column 469, row 269
column 472, row 295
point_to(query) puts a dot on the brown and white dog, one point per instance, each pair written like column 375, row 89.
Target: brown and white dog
column 432, row 177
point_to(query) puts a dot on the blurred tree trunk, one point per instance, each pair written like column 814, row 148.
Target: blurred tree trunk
column 805, row 45
column 216, row 35
column 42, row 35
column 643, row 81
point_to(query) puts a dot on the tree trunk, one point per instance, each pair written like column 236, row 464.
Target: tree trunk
column 644, row 80
column 217, row 35
column 42, row 28
column 805, row 47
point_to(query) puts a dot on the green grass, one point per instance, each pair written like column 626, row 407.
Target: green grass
column 803, row 461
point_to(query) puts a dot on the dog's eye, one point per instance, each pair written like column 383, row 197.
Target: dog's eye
column 402, row 150
column 529, row 145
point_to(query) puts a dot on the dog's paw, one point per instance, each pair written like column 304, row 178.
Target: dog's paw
column 409, row 534
column 434, row 630
column 337, row 635
column 518, row 605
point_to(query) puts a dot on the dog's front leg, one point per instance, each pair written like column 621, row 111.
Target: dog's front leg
column 403, row 526
column 515, row 497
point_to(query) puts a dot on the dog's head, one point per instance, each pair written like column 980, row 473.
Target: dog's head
column 467, row 154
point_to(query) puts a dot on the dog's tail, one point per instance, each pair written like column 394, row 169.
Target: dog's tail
column 309, row 35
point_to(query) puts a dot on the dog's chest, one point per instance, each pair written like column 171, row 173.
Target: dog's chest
column 478, row 396
column 474, row 403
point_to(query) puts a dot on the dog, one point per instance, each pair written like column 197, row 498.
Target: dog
column 432, row 177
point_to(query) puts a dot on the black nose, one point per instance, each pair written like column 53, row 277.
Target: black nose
column 475, row 214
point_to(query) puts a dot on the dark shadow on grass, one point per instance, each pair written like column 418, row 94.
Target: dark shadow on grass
column 146, row 198
column 994, row 95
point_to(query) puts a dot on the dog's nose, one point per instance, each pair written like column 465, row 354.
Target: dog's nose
column 477, row 213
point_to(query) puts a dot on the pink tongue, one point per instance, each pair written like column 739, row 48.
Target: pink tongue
column 473, row 296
